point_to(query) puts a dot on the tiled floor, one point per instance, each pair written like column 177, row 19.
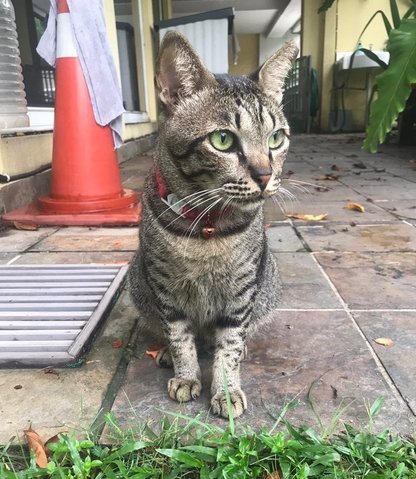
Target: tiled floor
column 347, row 280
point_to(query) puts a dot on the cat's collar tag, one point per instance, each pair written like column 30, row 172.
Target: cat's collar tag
column 174, row 203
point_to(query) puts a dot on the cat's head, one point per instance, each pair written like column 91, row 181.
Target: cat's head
column 218, row 132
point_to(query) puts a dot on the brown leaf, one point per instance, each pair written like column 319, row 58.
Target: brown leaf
column 152, row 354
column 384, row 342
column 355, row 207
column 328, row 177
column 25, row 226
column 117, row 343
column 52, row 440
column 36, row 445
column 300, row 216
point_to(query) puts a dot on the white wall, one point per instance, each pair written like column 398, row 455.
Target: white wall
column 268, row 46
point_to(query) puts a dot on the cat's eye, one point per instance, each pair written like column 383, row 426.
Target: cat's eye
column 222, row 140
column 276, row 139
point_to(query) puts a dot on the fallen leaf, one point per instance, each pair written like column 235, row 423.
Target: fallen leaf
column 117, row 343
column 299, row 216
column 52, row 440
column 328, row 177
column 50, row 370
column 384, row 341
column 152, row 354
column 25, row 226
column 117, row 244
column 267, row 225
column 355, row 207
column 353, row 223
column 36, row 445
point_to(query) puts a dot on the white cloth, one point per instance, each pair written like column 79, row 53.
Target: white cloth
column 97, row 63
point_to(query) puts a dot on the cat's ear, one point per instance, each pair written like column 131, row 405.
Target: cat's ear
column 179, row 70
column 271, row 75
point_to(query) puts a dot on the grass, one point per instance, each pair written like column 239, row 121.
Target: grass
column 191, row 448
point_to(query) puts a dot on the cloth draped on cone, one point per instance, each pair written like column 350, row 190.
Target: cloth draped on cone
column 97, row 63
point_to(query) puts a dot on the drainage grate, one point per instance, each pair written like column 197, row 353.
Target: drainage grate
column 48, row 313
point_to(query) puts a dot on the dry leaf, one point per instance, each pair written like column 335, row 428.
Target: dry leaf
column 117, row 343
column 152, row 354
column 25, row 226
column 35, row 443
column 355, row 207
column 328, row 177
column 299, row 216
column 384, row 341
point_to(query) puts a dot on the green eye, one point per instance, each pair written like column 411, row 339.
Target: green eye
column 222, row 140
column 276, row 139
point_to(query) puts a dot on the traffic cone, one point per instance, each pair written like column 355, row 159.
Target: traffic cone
column 86, row 187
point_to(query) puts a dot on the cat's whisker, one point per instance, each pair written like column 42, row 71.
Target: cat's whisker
column 224, row 207
column 277, row 202
column 291, row 180
column 288, row 194
column 200, row 202
column 301, row 188
column 188, row 199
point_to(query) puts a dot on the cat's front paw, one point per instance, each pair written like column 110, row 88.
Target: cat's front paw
column 184, row 390
column 238, row 403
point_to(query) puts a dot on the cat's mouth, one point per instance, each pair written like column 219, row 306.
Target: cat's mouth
column 245, row 193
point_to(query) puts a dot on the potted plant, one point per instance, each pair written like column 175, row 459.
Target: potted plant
column 394, row 85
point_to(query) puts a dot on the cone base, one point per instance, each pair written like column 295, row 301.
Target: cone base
column 34, row 214
column 50, row 204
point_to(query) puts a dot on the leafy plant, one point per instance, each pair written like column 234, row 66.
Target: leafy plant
column 191, row 448
column 394, row 85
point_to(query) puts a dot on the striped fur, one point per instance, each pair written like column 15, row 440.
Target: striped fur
column 184, row 285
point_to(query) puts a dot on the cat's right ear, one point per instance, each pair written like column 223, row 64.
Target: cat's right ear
column 179, row 70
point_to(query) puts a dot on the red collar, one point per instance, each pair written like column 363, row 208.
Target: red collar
column 209, row 220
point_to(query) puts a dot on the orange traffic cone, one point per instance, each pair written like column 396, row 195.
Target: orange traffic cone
column 86, row 186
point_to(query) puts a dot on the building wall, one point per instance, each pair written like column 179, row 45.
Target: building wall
column 248, row 59
column 336, row 31
column 268, row 45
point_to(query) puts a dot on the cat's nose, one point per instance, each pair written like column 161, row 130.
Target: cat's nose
column 262, row 181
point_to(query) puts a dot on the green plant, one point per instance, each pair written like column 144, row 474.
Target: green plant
column 394, row 84
column 192, row 448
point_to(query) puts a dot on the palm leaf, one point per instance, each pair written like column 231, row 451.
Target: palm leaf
column 395, row 15
column 394, row 84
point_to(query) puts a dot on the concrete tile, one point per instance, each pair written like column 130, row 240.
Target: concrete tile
column 6, row 257
column 283, row 238
column 90, row 239
column 403, row 209
column 286, row 362
column 373, row 280
column 304, row 285
column 399, row 359
column 65, row 257
column 66, row 399
column 399, row 190
column 13, row 240
column 345, row 238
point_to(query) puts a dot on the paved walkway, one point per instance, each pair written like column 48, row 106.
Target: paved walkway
column 348, row 280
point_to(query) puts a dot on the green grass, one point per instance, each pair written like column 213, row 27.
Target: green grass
column 191, row 448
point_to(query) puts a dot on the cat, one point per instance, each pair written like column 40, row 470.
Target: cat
column 203, row 263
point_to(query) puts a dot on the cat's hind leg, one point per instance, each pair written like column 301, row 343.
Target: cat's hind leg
column 186, row 384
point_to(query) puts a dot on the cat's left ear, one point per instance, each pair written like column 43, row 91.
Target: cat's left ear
column 271, row 75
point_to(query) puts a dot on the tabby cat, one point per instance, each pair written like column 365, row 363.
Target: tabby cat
column 203, row 263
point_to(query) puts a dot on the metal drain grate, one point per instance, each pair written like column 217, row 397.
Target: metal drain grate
column 48, row 313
